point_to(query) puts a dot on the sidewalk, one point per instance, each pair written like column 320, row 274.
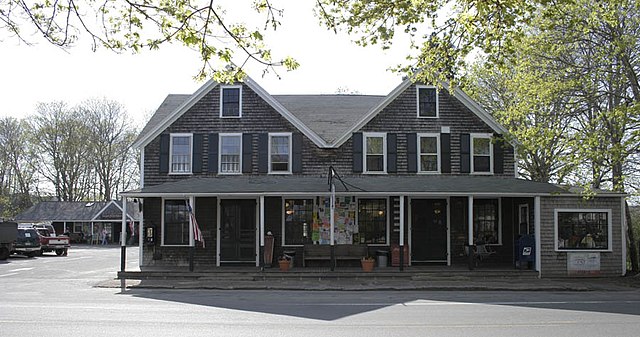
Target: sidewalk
column 354, row 281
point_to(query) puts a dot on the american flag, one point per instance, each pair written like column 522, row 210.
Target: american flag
column 197, row 233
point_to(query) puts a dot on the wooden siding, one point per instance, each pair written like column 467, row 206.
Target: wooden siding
column 206, row 214
column 554, row 264
column 258, row 117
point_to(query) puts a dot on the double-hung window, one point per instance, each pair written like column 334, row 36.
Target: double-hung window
column 279, row 153
column 230, row 153
column 372, row 221
column 375, row 149
column 482, row 152
column 175, row 223
column 429, row 153
column 181, row 153
column 583, row 229
column 427, row 102
column 486, row 221
column 231, row 101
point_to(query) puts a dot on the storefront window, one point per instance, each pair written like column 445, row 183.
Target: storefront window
column 486, row 227
column 583, row 229
column 298, row 221
column 176, row 223
column 372, row 221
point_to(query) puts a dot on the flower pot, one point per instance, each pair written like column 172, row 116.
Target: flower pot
column 284, row 265
column 367, row 264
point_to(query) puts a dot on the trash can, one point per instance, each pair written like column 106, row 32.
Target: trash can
column 383, row 257
column 290, row 254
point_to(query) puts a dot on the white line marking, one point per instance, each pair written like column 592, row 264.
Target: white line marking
column 3, row 275
column 20, row 269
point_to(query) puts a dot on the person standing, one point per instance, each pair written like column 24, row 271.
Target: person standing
column 104, row 236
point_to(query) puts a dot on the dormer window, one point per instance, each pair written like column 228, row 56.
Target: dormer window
column 427, row 102
column 231, row 101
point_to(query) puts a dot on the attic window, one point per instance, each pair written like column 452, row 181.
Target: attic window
column 231, row 101
column 427, row 102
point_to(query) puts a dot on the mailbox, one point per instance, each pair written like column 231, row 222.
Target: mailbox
column 150, row 235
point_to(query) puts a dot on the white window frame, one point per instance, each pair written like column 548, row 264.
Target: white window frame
column 499, row 222
column 474, row 136
column 586, row 210
column 179, row 135
column 281, row 134
column 384, row 151
column 163, row 224
column 222, row 87
column 418, row 87
column 429, row 135
column 220, row 136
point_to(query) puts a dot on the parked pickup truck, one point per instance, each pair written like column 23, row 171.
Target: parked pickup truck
column 8, row 234
column 49, row 242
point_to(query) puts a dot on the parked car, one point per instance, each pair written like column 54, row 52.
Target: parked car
column 27, row 242
column 49, row 242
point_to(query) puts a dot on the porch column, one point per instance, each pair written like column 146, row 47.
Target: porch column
column 140, row 233
column 402, row 221
column 470, row 223
column 123, row 235
column 537, row 222
column 261, row 233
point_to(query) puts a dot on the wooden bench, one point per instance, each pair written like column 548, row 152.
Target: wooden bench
column 342, row 252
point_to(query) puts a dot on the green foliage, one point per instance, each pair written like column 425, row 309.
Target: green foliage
column 136, row 25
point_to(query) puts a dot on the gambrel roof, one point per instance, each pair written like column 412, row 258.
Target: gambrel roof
column 327, row 120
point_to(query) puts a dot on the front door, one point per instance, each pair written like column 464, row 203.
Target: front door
column 428, row 230
column 238, row 230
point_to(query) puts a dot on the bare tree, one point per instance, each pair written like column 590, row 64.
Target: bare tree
column 110, row 139
column 59, row 144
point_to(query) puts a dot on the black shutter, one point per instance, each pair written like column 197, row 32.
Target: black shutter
column 465, row 153
column 247, row 152
column 213, row 153
column 498, row 154
column 412, row 153
column 164, row 153
column 357, row 152
column 445, row 152
column 263, row 153
column 196, row 166
column 297, row 153
column 392, row 152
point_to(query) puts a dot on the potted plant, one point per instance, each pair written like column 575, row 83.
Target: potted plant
column 367, row 263
column 284, row 263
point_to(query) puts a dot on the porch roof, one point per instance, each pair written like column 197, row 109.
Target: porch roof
column 353, row 185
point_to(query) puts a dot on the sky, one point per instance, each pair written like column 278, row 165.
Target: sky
column 45, row 73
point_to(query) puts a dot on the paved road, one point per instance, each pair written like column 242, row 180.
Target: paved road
column 55, row 296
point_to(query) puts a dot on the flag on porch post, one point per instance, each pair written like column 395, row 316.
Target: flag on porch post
column 197, row 233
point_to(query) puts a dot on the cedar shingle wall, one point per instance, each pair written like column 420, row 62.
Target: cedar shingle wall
column 554, row 264
column 206, row 215
column 258, row 117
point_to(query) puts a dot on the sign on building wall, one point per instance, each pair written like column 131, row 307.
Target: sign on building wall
column 583, row 264
column 346, row 229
